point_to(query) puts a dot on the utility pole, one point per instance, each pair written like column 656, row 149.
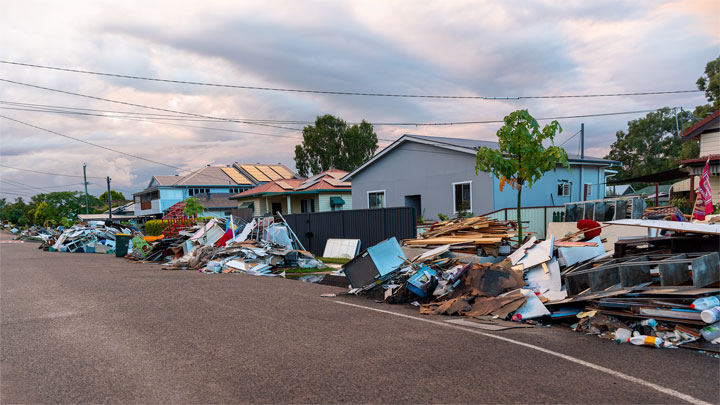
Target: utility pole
column 583, row 196
column 109, row 198
column 677, row 126
column 87, row 203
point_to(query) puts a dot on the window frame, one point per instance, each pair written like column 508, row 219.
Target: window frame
column 454, row 185
column 562, row 185
column 304, row 204
column 384, row 201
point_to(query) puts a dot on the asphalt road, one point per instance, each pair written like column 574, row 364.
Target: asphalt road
column 96, row 328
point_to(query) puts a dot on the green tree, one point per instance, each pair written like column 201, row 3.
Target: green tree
column 63, row 204
column 651, row 143
column 42, row 213
column 521, row 158
column 116, row 196
column 710, row 83
column 332, row 144
column 193, row 208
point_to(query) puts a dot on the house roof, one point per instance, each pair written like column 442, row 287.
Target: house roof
column 165, row 180
column 236, row 175
column 702, row 160
column 216, row 200
column 329, row 180
column 711, row 123
column 650, row 190
column 463, row 145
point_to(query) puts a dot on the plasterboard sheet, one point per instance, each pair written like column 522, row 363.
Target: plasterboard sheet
column 578, row 254
column 520, row 253
column 540, row 281
column 540, row 253
column 532, row 308
column 710, row 229
column 342, row 248
column 433, row 252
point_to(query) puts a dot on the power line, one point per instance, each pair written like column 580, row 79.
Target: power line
column 92, row 144
column 310, row 122
column 50, row 174
column 571, row 137
column 144, row 106
column 345, row 93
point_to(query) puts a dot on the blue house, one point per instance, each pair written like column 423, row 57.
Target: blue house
column 436, row 175
column 211, row 184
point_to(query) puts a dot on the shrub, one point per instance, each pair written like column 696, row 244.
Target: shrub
column 155, row 227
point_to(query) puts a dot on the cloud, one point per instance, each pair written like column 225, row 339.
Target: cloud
column 460, row 47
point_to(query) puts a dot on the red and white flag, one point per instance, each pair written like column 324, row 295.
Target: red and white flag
column 703, row 204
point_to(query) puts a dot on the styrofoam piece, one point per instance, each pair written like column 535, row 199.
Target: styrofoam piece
column 342, row 248
column 576, row 254
column 540, row 253
column 533, row 307
column 520, row 252
column 555, row 295
column 540, row 281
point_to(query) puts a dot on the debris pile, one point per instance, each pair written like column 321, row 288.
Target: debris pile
column 260, row 247
column 467, row 235
column 93, row 237
column 35, row 233
column 650, row 294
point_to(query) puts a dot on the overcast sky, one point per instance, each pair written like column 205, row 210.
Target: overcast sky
column 454, row 47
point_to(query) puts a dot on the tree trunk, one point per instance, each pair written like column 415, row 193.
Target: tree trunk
column 519, row 219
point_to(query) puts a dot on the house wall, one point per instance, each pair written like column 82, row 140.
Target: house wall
column 545, row 191
column 710, row 144
column 170, row 196
column 425, row 170
column 325, row 201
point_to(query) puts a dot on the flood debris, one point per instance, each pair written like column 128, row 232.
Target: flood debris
column 657, row 294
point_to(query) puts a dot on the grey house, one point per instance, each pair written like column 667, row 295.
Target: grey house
column 436, row 175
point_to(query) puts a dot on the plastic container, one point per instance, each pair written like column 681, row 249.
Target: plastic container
column 121, row 244
column 622, row 335
column 649, row 322
column 711, row 332
column 711, row 315
column 644, row 340
column 704, row 303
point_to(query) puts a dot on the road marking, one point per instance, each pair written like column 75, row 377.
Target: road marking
column 606, row 370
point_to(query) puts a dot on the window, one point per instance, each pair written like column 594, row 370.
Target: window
column 196, row 191
column 336, row 203
column 563, row 188
column 462, row 197
column 307, row 206
column 376, row 199
column 588, row 191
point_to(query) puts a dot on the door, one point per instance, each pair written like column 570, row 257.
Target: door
column 276, row 207
column 414, row 201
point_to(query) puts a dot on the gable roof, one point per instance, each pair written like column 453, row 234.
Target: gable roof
column 711, row 123
column 463, row 145
column 216, row 200
column 328, row 180
column 235, row 175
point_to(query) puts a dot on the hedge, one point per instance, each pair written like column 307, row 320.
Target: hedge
column 155, row 227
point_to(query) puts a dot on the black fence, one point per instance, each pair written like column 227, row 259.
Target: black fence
column 369, row 225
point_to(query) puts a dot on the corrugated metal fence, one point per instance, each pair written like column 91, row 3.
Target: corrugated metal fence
column 535, row 219
column 369, row 225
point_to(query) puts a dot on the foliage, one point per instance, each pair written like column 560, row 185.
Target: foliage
column 193, row 208
column 332, row 144
column 710, row 82
column 443, row 217
column 681, row 203
column 521, row 158
column 155, row 227
column 335, row 260
column 42, row 213
column 651, row 144
column 116, row 196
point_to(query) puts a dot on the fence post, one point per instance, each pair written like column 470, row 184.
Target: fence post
column 546, row 223
column 505, row 209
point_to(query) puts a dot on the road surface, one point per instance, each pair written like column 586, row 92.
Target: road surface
column 96, row 328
